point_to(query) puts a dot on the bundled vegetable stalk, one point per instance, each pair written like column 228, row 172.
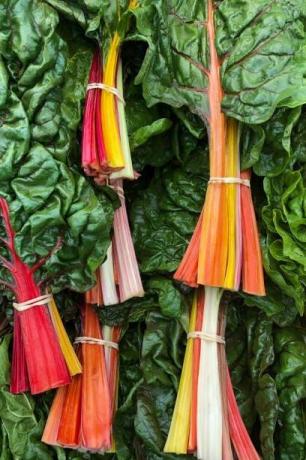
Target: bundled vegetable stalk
column 81, row 413
column 43, row 357
column 105, row 145
column 75, row 420
column 215, row 259
column 43, row 200
column 189, row 421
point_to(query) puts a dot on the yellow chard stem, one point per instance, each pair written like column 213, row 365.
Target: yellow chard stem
column 110, row 125
column 127, row 172
column 133, row 4
column 177, row 441
column 232, row 193
column 70, row 357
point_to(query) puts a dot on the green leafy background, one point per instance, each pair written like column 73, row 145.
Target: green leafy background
column 45, row 53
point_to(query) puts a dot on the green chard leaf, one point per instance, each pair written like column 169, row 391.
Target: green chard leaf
column 284, row 249
column 164, row 215
column 290, row 380
column 40, row 112
column 263, row 45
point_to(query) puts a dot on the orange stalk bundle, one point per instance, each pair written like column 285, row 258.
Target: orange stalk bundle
column 224, row 247
column 110, row 333
column 81, row 417
column 227, row 223
column 38, row 362
column 96, row 416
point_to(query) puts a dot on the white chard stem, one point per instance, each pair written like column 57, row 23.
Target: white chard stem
column 209, row 411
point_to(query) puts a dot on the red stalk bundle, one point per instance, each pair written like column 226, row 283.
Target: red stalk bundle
column 38, row 363
column 81, row 414
column 94, row 159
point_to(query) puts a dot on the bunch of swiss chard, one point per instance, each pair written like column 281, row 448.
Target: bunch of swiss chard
column 62, row 221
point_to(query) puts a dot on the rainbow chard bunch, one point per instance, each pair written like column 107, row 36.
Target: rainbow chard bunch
column 54, row 228
column 81, row 413
column 222, row 61
column 106, row 155
column 105, row 145
column 75, row 419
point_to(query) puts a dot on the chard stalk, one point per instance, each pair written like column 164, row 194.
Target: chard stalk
column 108, row 285
column 38, row 363
column 129, row 280
column 209, row 414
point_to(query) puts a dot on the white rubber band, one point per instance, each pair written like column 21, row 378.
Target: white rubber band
column 205, row 336
column 108, row 88
column 38, row 301
column 93, row 341
column 119, row 190
column 229, row 180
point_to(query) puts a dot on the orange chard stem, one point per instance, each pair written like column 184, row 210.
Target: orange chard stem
column 94, row 295
column 252, row 268
column 212, row 262
column 187, row 271
column 50, row 434
column 70, row 421
column 96, row 416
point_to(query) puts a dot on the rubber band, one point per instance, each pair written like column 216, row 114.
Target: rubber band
column 119, row 190
column 37, row 301
column 94, row 341
column 229, row 180
column 108, row 88
column 205, row 336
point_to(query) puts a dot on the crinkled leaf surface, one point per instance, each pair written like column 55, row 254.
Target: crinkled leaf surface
column 41, row 106
column 263, row 44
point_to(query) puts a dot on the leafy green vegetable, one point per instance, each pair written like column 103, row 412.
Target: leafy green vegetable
column 284, row 249
column 40, row 111
column 264, row 47
column 267, row 406
column 290, row 380
column 45, row 53
column 164, row 215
